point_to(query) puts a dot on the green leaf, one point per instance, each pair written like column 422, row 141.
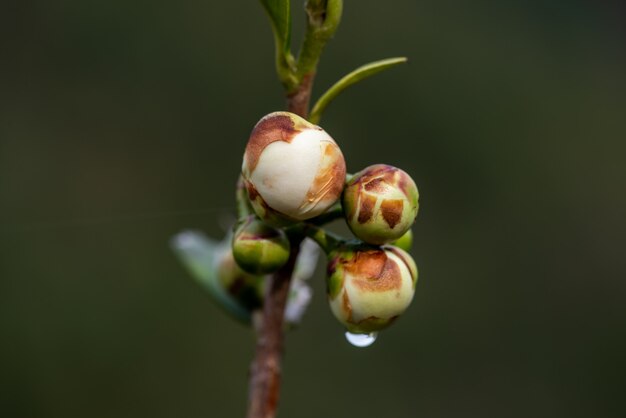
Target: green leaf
column 280, row 16
column 355, row 76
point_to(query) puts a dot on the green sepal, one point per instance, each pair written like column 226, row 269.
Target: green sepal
column 405, row 242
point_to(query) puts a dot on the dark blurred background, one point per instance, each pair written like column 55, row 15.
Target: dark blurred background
column 122, row 123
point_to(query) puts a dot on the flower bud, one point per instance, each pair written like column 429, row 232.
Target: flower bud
column 293, row 169
column 380, row 203
column 259, row 248
column 369, row 287
column 244, row 288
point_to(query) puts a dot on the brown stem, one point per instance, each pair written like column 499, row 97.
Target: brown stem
column 265, row 370
column 298, row 101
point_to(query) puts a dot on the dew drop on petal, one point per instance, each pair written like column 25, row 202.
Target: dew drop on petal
column 361, row 340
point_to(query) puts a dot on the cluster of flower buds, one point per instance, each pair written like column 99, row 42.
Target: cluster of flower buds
column 292, row 173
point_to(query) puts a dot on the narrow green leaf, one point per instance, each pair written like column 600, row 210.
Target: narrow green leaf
column 280, row 17
column 355, row 76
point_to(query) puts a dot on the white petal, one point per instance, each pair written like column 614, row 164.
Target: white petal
column 285, row 171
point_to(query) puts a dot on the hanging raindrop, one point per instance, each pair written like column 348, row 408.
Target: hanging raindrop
column 361, row 340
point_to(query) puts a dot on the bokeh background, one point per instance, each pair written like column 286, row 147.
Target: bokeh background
column 122, row 123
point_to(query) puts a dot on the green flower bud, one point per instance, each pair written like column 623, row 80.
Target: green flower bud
column 380, row 203
column 369, row 287
column 259, row 248
column 293, row 170
column 244, row 288
column 405, row 241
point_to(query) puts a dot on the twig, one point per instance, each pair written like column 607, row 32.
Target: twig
column 298, row 101
column 265, row 370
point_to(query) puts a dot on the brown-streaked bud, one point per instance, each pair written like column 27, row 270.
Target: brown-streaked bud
column 260, row 248
column 244, row 288
column 369, row 287
column 293, row 170
column 380, row 203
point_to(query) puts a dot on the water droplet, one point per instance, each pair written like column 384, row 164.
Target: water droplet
column 361, row 340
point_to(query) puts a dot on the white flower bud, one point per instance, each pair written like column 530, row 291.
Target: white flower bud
column 369, row 287
column 293, row 169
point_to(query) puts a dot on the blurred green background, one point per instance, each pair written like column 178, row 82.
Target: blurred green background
column 122, row 123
